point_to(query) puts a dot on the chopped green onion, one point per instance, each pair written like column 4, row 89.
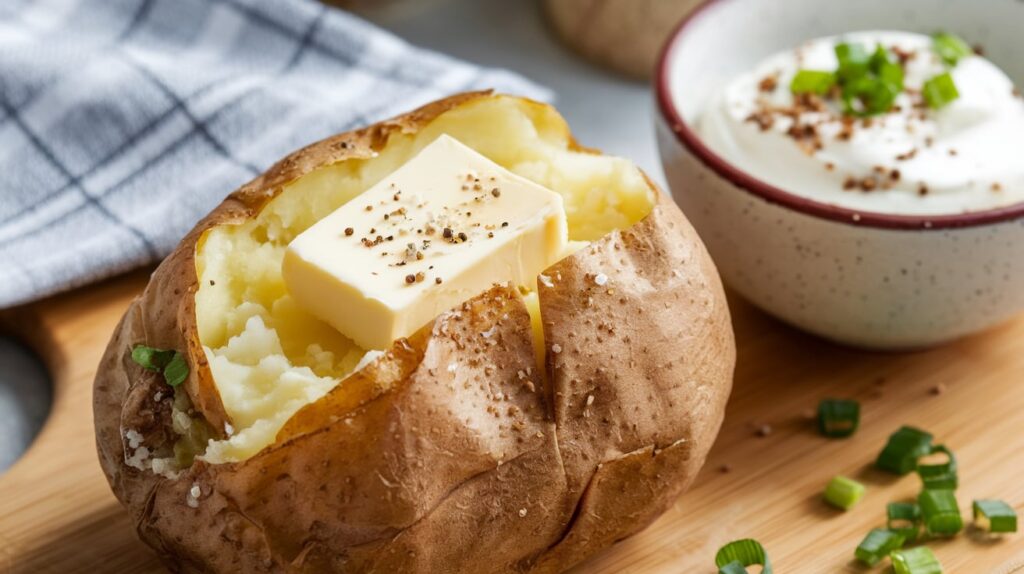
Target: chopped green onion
column 950, row 47
column 150, row 358
column 940, row 512
column 939, row 476
column 843, row 492
column 940, row 91
column 888, row 72
column 877, row 545
column 171, row 363
column 853, row 60
column 812, row 82
column 870, row 82
column 734, row 567
column 838, row 418
column 867, row 96
column 903, row 449
column 863, row 96
column 904, row 518
column 918, row 560
column 176, row 371
column 734, row 557
column 995, row 516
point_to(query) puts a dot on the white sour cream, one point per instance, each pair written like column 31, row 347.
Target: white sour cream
column 967, row 156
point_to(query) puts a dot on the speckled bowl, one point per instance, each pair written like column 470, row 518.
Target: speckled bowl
column 865, row 279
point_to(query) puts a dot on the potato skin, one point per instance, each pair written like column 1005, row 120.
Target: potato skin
column 486, row 467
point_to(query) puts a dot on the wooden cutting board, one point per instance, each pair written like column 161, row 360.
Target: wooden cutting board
column 57, row 514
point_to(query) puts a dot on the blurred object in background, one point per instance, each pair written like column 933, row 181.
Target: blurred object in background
column 25, row 397
column 515, row 35
column 371, row 8
column 624, row 35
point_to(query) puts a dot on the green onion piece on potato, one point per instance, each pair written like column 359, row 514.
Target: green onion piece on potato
column 176, row 371
column 150, row 358
column 169, row 362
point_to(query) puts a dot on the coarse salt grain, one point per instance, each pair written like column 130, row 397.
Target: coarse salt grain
column 134, row 438
column 556, row 348
column 165, row 467
column 601, row 279
column 138, row 459
column 192, row 499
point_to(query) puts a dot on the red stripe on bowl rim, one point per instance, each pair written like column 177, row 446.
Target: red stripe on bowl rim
column 778, row 196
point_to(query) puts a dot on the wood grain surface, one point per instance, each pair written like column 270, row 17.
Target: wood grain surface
column 57, row 514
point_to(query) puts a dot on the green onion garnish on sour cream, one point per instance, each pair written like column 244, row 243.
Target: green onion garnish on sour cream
column 940, row 91
column 950, row 48
column 869, row 82
column 812, row 82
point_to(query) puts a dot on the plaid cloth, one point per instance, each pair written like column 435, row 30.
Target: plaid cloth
column 122, row 122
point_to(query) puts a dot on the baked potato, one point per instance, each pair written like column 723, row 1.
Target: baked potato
column 521, row 431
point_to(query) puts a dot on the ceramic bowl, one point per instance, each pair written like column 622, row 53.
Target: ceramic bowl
column 866, row 279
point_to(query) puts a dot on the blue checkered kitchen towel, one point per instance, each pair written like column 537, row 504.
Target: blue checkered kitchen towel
column 123, row 122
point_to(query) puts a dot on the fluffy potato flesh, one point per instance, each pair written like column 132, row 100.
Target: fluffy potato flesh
column 269, row 358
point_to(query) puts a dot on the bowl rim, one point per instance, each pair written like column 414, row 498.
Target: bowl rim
column 778, row 196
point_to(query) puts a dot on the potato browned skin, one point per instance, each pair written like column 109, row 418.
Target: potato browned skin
column 411, row 465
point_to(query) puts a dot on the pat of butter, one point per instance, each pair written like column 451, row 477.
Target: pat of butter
column 437, row 231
